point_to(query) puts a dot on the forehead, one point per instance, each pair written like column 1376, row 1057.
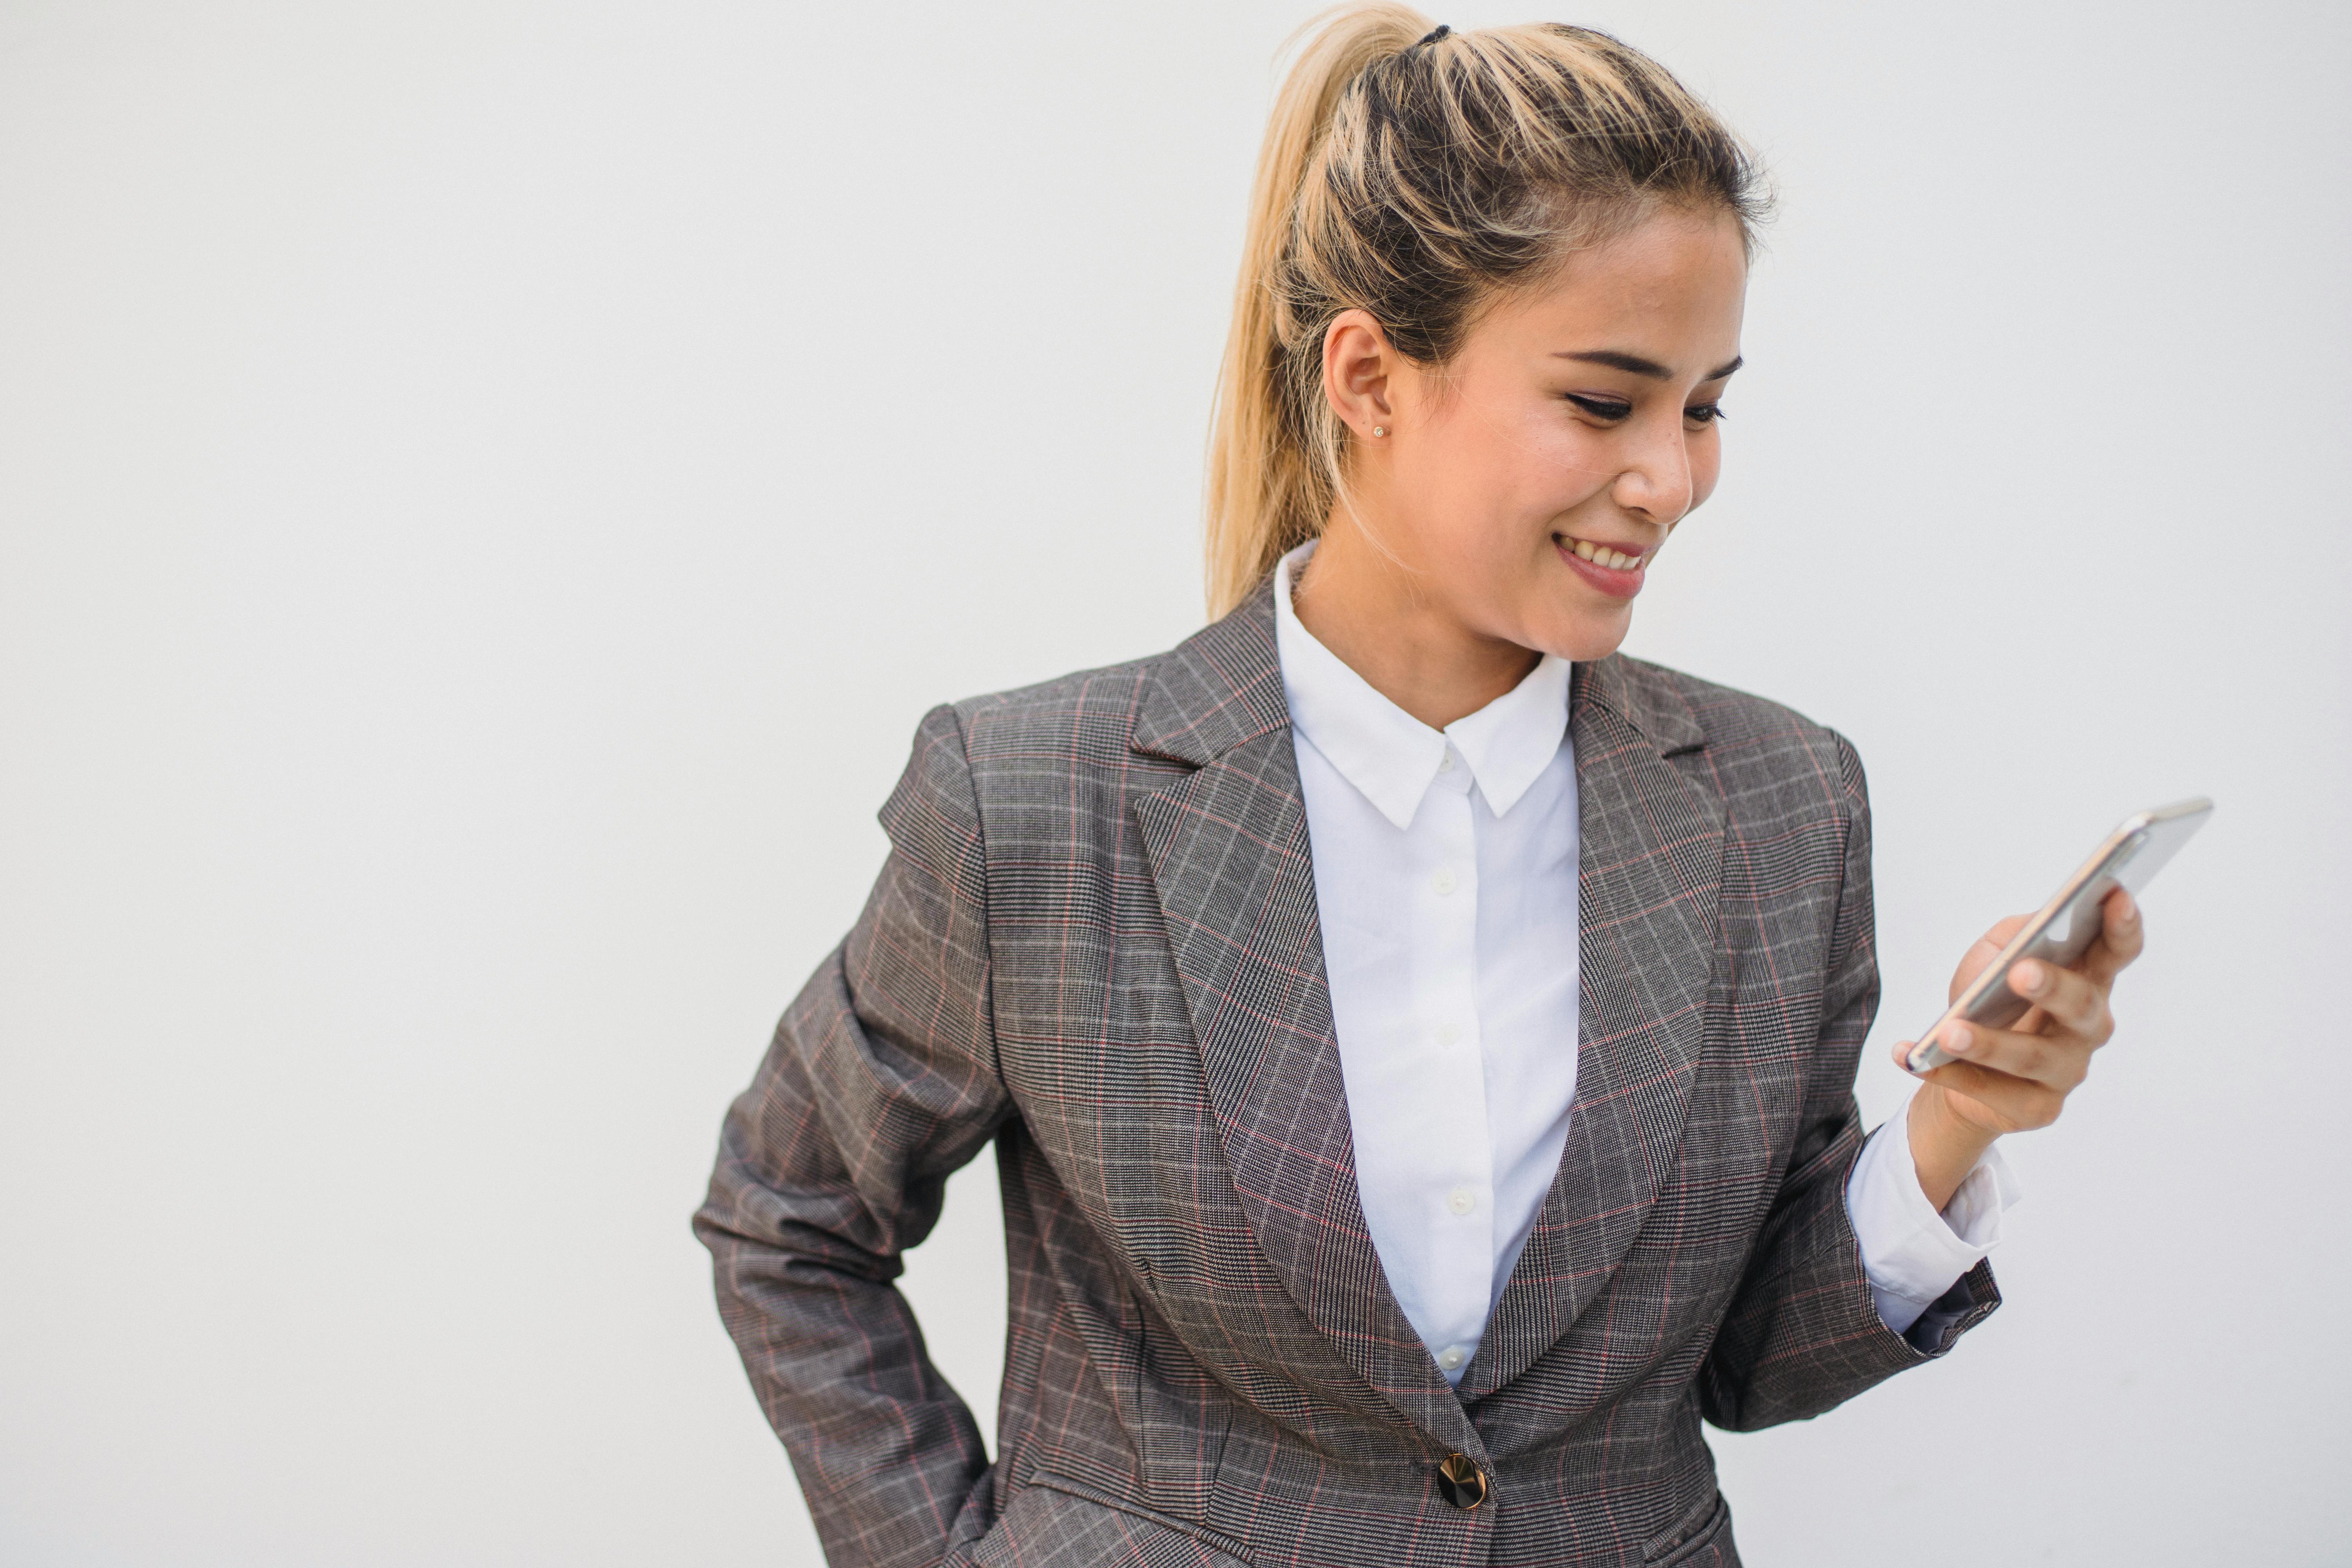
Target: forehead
column 1671, row 286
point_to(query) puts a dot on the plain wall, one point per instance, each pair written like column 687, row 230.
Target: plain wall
column 488, row 488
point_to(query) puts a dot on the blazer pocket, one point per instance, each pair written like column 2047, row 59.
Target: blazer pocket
column 1696, row 1537
column 1053, row 1522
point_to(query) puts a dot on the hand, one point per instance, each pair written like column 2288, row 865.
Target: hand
column 2009, row 1081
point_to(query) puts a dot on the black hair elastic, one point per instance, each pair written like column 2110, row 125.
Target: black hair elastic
column 1442, row 30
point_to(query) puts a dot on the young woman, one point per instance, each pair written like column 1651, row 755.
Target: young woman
column 1418, row 1041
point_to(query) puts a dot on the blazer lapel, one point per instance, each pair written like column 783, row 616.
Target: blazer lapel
column 1650, row 864
column 1230, row 860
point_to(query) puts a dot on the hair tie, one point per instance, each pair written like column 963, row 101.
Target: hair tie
column 1442, row 30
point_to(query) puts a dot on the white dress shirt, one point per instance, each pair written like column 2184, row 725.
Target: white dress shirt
column 1445, row 875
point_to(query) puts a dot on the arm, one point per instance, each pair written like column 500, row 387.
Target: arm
column 1802, row 1333
column 881, row 1081
column 1928, row 1194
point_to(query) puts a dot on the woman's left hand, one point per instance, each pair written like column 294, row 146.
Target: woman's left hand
column 2009, row 1081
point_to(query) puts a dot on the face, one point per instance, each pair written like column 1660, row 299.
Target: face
column 1528, row 485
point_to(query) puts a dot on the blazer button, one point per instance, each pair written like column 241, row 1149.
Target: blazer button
column 1463, row 1483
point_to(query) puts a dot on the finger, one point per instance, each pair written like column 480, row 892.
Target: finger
column 1986, row 949
column 2017, row 1103
column 2122, row 935
column 2075, row 1003
column 2053, row 1061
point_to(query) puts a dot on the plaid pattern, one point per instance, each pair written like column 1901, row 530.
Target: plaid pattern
column 1096, row 943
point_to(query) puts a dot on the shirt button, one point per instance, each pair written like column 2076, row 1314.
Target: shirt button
column 1444, row 882
column 1462, row 1200
column 1447, row 1033
column 1446, row 763
column 1451, row 1357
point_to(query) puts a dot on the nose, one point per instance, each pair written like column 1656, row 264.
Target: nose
column 1656, row 480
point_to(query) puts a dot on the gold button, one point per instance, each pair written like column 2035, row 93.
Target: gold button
column 1463, row 1483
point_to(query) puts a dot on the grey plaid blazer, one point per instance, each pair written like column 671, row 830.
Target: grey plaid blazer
column 1096, row 944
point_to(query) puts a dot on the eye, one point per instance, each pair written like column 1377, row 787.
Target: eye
column 1599, row 407
column 1705, row 413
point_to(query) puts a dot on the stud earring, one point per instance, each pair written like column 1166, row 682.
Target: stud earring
column 1380, row 429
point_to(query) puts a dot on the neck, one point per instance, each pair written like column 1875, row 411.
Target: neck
column 1377, row 615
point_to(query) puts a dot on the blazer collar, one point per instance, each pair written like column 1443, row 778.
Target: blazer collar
column 1641, row 695
column 1218, row 689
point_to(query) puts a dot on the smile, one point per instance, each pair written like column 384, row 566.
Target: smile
column 1600, row 554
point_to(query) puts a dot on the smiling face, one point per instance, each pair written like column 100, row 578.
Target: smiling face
column 1525, row 487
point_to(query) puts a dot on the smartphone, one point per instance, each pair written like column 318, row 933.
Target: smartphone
column 2065, row 928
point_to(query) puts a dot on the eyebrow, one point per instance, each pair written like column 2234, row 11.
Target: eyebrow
column 1636, row 364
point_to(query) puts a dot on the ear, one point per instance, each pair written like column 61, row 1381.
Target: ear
column 1358, row 368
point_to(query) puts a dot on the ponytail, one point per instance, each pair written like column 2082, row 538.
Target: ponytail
column 1271, row 469
column 1407, row 170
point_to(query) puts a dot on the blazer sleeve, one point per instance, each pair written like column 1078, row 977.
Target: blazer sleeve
column 880, row 1081
column 1802, row 1333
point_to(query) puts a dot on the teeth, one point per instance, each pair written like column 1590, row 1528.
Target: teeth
column 1602, row 555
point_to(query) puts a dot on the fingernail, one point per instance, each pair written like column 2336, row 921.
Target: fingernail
column 2029, row 976
column 1957, row 1039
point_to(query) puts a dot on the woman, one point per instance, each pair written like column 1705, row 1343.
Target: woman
column 1418, row 1041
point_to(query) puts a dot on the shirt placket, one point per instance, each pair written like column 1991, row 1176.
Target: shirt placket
column 1459, row 1199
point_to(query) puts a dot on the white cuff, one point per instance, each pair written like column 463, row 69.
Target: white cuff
column 1911, row 1253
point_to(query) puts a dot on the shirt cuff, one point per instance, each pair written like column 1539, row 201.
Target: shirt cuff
column 1912, row 1254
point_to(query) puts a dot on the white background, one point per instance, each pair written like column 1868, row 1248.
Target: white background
column 487, row 489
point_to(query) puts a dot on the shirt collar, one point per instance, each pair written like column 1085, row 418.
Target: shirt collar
column 1391, row 757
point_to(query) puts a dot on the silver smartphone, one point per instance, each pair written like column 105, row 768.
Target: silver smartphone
column 2066, row 927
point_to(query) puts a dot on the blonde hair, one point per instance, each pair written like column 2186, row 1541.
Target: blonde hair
column 1411, row 172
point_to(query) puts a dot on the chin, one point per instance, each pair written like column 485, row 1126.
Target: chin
column 1581, row 639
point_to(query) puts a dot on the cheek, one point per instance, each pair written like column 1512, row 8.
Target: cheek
column 1476, row 471
column 1548, row 465
column 1494, row 474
